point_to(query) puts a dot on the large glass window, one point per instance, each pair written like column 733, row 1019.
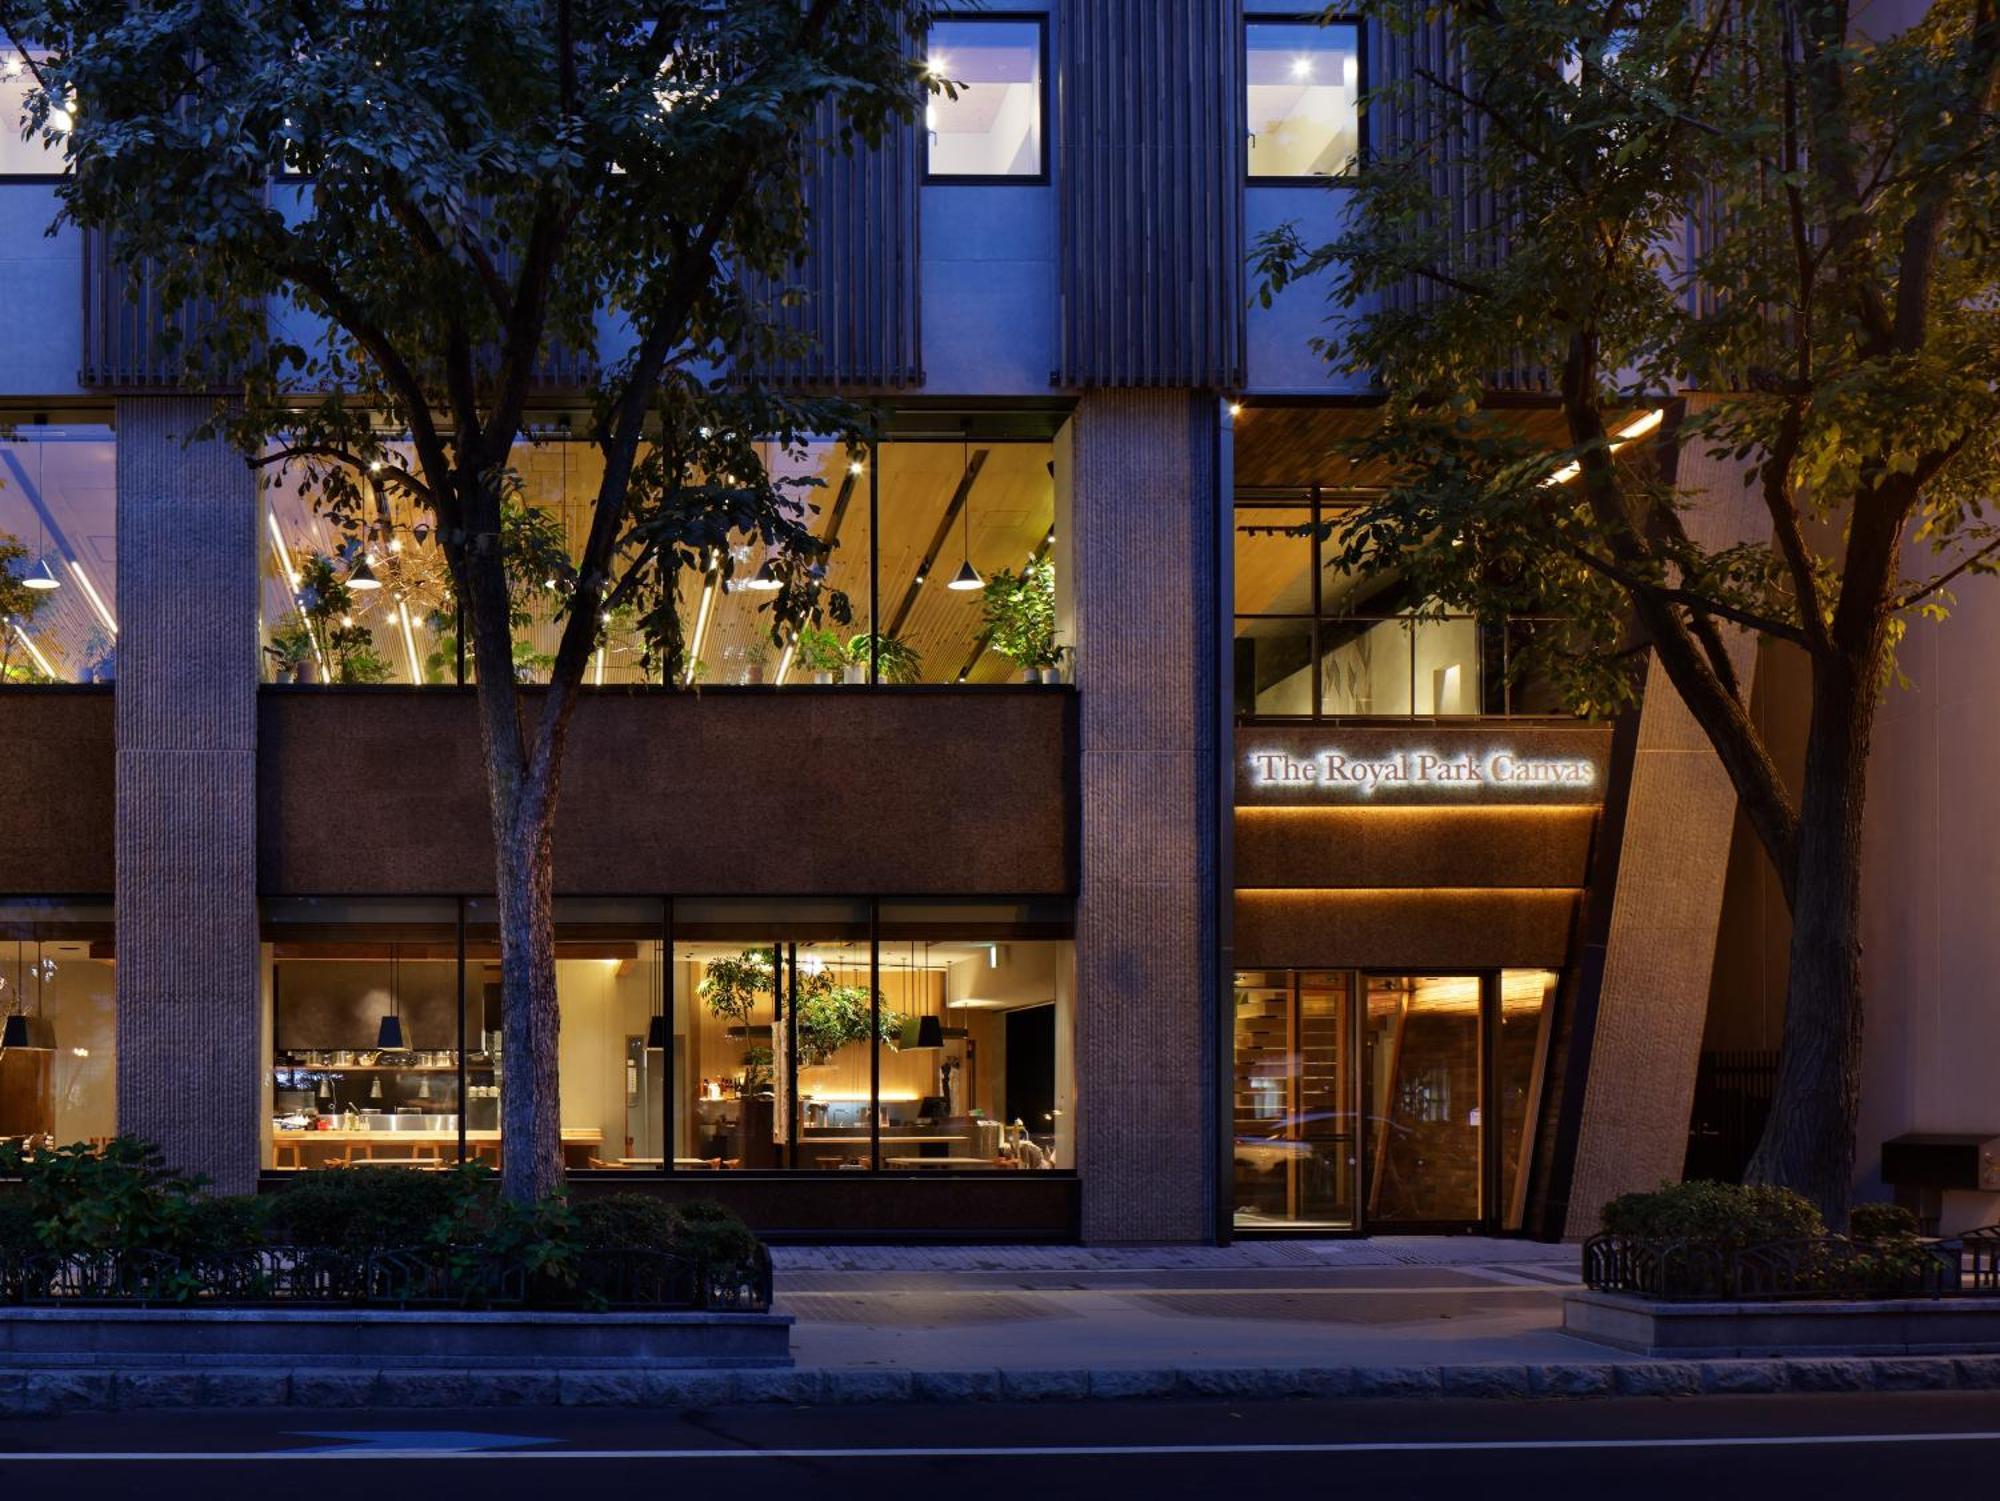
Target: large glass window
column 944, row 552
column 59, row 1047
column 990, row 124
column 1303, row 98
column 23, row 155
column 58, row 553
column 1313, row 640
column 1370, row 1100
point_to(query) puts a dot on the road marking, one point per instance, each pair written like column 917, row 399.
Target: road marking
column 1020, row 1451
column 411, row 1440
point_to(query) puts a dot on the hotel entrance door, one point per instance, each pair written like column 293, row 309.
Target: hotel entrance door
column 1387, row 1101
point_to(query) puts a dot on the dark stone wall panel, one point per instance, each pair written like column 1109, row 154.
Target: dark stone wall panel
column 1413, row 847
column 57, row 792
column 190, row 1051
column 1427, row 930
column 1139, row 471
column 775, row 793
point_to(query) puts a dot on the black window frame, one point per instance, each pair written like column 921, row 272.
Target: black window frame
column 1324, row 22
column 1043, row 102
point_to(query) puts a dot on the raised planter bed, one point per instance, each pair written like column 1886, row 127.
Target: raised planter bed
column 45, row 1336
column 1792, row 1326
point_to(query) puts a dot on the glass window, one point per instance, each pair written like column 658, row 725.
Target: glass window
column 368, row 1061
column 969, row 572
column 1297, row 1147
column 58, row 554
column 1520, row 1069
column 1304, row 83
column 23, row 156
column 990, row 124
column 1422, row 1054
column 58, row 992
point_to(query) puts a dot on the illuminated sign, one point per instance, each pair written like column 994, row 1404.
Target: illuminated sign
column 1495, row 768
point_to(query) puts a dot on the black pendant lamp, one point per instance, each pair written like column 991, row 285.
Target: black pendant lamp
column 15, row 1033
column 930, row 1032
column 967, row 578
column 658, row 1037
column 389, row 1036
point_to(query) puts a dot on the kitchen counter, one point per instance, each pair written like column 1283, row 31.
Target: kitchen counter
column 332, row 1148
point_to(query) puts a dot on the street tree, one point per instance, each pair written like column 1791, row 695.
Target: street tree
column 385, row 215
column 1779, row 231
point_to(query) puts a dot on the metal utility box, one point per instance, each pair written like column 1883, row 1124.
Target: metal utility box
column 1941, row 1160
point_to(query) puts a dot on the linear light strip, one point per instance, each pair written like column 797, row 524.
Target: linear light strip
column 1631, row 432
column 90, row 593
column 33, row 650
column 409, row 640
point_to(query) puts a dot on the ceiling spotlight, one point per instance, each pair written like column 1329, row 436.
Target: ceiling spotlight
column 854, row 466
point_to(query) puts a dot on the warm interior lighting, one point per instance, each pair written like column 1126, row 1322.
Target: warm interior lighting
column 33, row 650
column 1637, row 428
column 1302, row 67
column 936, row 66
column 855, row 466
column 409, row 641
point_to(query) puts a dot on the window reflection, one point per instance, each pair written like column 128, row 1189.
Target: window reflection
column 18, row 156
column 1303, row 99
column 58, row 554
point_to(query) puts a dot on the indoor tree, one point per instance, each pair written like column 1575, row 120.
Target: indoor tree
column 1778, row 231
column 390, row 214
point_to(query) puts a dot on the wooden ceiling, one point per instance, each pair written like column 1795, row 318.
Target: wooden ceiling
column 1283, row 447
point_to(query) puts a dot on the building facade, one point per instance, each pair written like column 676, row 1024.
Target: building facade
column 1277, row 908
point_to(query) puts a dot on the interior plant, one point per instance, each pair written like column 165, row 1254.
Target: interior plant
column 1020, row 615
column 291, row 650
column 757, row 1063
column 730, row 986
column 821, row 652
column 17, row 602
column 832, row 1015
column 895, row 659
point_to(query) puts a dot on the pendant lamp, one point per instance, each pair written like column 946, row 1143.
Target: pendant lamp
column 389, row 1036
column 766, row 577
column 362, row 577
column 658, row 1037
column 967, row 578
column 15, row 1033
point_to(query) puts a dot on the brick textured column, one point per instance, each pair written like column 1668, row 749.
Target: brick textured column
column 1138, row 473
column 1660, row 950
column 189, row 1051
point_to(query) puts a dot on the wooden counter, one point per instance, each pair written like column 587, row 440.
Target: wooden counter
column 357, row 1148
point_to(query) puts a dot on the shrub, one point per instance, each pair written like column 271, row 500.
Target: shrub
column 626, row 1222
column 714, row 1237
column 1880, row 1222
column 367, row 1208
column 120, row 1197
column 1723, row 1216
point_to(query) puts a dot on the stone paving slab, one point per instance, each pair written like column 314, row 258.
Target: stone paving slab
column 43, row 1394
column 1373, row 1251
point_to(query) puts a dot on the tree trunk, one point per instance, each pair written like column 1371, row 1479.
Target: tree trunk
column 1808, row 1142
column 530, row 1103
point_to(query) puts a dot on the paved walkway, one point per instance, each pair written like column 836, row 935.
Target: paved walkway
column 1384, row 1301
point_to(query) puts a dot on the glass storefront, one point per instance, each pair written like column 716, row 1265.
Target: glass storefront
column 945, row 554
column 58, row 553
column 59, row 997
column 812, row 1035
column 1383, row 1100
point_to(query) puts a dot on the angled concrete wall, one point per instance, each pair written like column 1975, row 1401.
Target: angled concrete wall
column 1660, row 949
column 190, row 1052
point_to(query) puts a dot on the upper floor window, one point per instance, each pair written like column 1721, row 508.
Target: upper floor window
column 1304, row 87
column 24, row 155
column 990, row 125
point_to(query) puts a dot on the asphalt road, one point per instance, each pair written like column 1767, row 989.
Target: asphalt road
column 1706, row 1449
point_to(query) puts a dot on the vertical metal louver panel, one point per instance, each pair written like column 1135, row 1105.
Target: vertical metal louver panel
column 854, row 297
column 1450, row 140
column 132, row 341
column 1150, row 164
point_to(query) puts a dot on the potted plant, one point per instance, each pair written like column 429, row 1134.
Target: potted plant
column 1020, row 617
column 291, row 651
column 832, row 1015
column 895, row 659
column 730, row 987
column 821, row 652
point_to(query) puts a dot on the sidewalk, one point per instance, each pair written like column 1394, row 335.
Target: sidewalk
column 1387, row 1301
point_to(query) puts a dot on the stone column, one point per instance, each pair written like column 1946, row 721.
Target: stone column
column 189, row 1052
column 1660, row 949
column 1136, row 474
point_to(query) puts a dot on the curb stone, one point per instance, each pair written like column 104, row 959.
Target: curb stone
column 46, row 1393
